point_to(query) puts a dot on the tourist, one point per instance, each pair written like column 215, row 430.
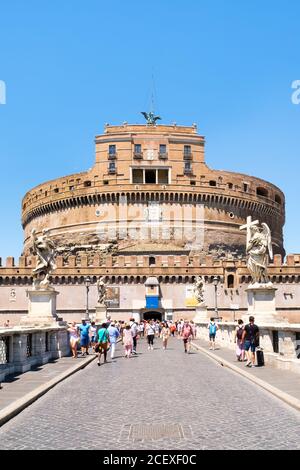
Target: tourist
column 74, row 338
column 239, row 331
column 113, row 336
column 6, row 324
column 187, row 335
column 251, row 341
column 103, row 343
column 93, row 335
column 172, row 329
column 141, row 328
column 135, row 331
column 157, row 329
column 150, row 332
column 212, row 329
column 194, row 327
column 128, row 340
column 84, row 337
column 164, row 334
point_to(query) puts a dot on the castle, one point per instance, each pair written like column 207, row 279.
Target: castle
column 150, row 216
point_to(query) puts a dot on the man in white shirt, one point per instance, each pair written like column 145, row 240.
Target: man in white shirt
column 134, row 331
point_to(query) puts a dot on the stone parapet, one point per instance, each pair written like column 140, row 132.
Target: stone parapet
column 25, row 347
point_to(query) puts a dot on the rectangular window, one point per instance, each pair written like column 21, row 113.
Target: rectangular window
column 112, row 167
column 162, row 149
column 187, row 150
column 163, row 176
column 137, row 176
column 112, row 150
column 187, row 166
column 137, row 148
column 150, row 176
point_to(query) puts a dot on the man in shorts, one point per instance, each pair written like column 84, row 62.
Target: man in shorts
column 187, row 336
column 212, row 327
column 251, row 341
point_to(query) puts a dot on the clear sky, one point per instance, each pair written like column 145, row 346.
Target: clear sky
column 70, row 66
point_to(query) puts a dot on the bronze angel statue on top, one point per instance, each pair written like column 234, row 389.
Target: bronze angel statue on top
column 150, row 118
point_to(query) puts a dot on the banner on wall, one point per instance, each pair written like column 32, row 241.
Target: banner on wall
column 113, row 297
column 190, row 299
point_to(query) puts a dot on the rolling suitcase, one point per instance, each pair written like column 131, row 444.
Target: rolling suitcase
column 260, row 357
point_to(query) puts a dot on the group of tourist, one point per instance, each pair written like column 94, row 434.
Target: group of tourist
column 105, row 339
column 107, row 336
column 246, row 338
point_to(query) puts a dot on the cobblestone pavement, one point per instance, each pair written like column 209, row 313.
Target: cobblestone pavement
column 107, row 407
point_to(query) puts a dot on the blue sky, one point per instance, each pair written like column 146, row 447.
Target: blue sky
column 70, row 66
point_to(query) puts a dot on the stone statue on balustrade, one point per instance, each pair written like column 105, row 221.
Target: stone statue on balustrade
column 101, row 287
column 44, row 248
column 198, row 289
column 259, row 249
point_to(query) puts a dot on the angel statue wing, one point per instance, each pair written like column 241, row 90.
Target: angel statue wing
column 156, row 118
column 146, row 116
column 267, row 232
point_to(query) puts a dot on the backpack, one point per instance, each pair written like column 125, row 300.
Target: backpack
column 212, row 329
column 239, row 333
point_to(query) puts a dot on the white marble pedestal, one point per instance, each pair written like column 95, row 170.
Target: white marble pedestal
column 261, row 303
column 41, row 308
column 101, row 313
column 201, row 314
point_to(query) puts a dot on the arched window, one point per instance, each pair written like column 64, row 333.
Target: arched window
column 152, row 261
column 277, row 199
column 230, row 281
column 262, row 192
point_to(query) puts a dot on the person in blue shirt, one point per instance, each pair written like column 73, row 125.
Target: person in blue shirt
column 113, row 336
column 212, row 327
column 84, row 336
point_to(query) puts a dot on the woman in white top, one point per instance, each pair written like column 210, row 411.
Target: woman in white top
column 74, row 338
column 150, row 332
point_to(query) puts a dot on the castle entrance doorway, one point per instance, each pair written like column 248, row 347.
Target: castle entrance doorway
column 151, row 314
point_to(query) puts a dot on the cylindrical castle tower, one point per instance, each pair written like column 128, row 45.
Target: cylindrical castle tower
column 150, row 191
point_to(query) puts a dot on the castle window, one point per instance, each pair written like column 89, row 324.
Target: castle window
column 138, row 151
column 230, row 185
column 163, row 176
column 187, row 168
column 152, row 261
column 105, row 181
column 163, row 151
column 112, row 150
column 150, row 176
column 71, row 188
column 112, row 168
column 187, row 150
column 87, row 184
column 193, row 183
column 56, row 190
column 137, row 176
column 278, row 199
column 230, row 281
column 212, row 183
column 245, row 187
column 262, row 192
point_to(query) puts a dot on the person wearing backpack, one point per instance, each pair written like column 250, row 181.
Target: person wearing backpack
column 251, row 341
column 240, row 350
column 187, row 335
column 103, row 343
column 212, row 327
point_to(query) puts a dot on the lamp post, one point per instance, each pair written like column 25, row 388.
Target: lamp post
column 87, row 285
column 216, row 281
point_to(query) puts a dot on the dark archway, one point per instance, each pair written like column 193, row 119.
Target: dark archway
column 152, row 315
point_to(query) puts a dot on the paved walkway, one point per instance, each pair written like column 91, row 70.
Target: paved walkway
column 286, row 381
column 157, row 400
column 19, row 389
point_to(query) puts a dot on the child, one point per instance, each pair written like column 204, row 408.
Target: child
column 128, row 341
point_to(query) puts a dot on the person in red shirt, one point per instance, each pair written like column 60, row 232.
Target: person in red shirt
column 187, row 335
